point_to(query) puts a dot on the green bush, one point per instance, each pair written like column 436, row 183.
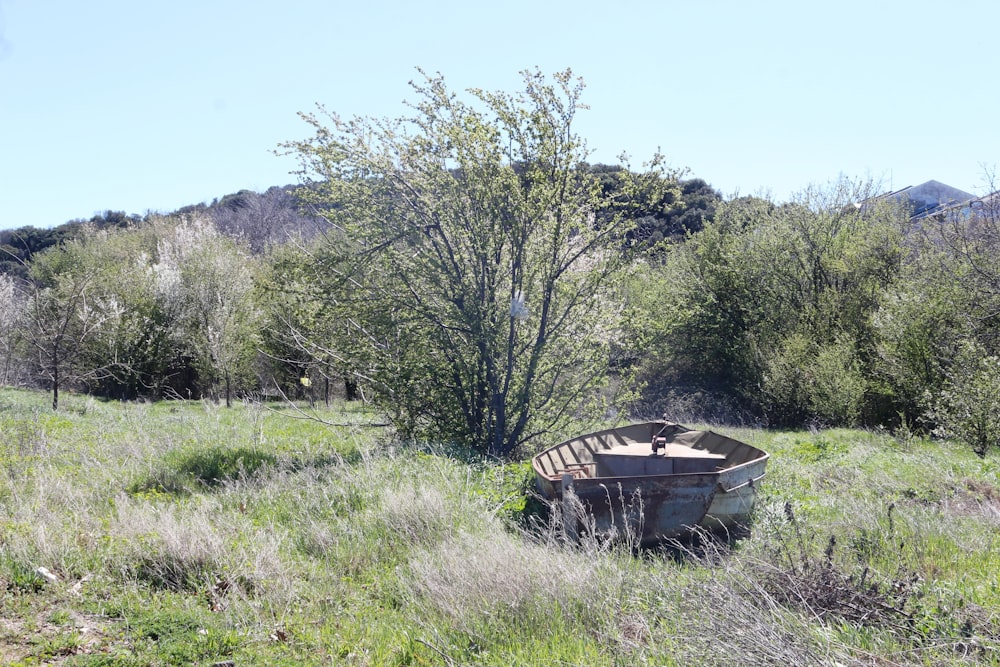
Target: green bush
column 968, row 408
column 805, row 381
column 838, row 386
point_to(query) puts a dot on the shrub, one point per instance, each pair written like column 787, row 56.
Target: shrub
column 968, row 408
column 806, row 381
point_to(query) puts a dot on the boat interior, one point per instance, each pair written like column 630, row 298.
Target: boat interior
column 652, row 448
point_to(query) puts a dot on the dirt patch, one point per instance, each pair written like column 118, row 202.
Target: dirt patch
column 12, row 647
column 975, row 498
column 52, row 643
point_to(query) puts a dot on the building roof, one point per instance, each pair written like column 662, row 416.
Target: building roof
column 929, row 198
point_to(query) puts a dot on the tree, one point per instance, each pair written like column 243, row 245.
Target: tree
column 19, row 246
column 939, row 327
column 677, row 215
column 302, row 329
column 11, row 313
column 138, row 346
column 964, row 245
column 467, row 258
column 668, row 212
column 262, row 220
column 919, row 327
column 63, row 313
column 214, row 283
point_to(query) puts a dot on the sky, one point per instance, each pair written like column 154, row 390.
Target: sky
column 150, row 106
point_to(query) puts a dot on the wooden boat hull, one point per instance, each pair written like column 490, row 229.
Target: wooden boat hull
column 706, row 480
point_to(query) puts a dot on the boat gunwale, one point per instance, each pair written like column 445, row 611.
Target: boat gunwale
column 555, row 477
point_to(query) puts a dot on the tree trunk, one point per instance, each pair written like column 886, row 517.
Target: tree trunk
column 350, row 388
column 55, row 386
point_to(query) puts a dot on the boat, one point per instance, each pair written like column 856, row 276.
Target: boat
column 652, row 481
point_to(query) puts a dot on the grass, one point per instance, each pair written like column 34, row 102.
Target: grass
column 187, row 533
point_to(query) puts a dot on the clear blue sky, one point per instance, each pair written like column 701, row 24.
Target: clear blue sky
column 151, row 105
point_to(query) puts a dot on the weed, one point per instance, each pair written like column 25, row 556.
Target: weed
column 184, row 472
column 19, row 577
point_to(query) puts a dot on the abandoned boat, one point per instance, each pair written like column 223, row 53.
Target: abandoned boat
column 654, row 480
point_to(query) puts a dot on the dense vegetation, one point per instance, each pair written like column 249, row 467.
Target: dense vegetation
column 466, row 271
column 187, row 533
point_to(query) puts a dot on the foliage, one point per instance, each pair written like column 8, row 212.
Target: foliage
column 262, row 220
column 919, row 327
column 136, row 345
column 217, row 310
column 301, row 325
column 944, row 308
column 12, row 304
column 804, row 381
column 63, row 314
column 161, row 307
column 967, row 242
column 968, row 407
column 779, row 299
column 473, row 259
column 19, row 246
column 696, row 205
column 664, row 212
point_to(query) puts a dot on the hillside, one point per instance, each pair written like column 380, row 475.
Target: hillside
column 268, row 218
column 259, row 219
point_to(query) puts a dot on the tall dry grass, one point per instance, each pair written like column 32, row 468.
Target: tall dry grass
column 334, row 548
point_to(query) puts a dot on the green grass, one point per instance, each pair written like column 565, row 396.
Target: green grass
column 187, row 533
